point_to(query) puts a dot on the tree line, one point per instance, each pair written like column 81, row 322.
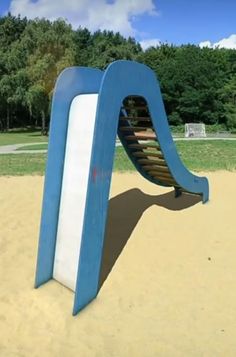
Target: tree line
column 198, row 85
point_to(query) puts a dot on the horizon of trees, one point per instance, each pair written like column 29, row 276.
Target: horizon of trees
column 197, row 84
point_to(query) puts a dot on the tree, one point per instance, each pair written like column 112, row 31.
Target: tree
column 198, row 84
column 228, row 96
column 190, row 79
column 37, row 101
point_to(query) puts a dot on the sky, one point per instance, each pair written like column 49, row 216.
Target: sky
column 151, row 22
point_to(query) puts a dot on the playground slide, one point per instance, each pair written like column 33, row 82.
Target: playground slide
column 90, row 108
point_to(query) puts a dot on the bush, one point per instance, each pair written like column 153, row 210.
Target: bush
column 177, row 129
column 215, row 128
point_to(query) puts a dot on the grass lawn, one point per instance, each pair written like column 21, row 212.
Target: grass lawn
column 34, row 147
column 21, row 137
column 22, row 164
column 199, row 155
column 209, row 155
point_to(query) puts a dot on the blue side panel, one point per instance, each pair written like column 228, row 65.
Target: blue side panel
column 72, row 82
column 121, row 79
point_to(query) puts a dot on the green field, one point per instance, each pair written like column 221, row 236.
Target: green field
column 34, row 147
column 208, row 155
column 202, row 155
column 199, row 155
column 21, row 137
column 22, row 164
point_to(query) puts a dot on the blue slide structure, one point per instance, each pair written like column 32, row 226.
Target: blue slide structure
column 130, row 105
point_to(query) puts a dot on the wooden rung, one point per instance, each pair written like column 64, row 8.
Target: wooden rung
column 165, row 180
column 144, row 146
column 134, row 128
column 135, row 96
column 145, row 154
column 137, row 107
column 147, row 119
column 140, row 137
column 162, row 176
column 152, row 162
column 154, row 172
column 156, row 168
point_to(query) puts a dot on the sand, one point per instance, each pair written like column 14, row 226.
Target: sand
column 171, row 291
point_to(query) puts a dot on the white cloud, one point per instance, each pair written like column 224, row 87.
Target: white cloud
column 93, row 14
column 153, row 42
column 205, row 44
column 229, row 42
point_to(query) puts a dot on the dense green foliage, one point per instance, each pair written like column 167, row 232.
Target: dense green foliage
column 198, row 85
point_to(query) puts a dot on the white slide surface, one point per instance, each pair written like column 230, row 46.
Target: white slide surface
column 74, row 188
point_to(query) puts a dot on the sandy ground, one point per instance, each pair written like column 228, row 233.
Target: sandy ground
column 171, row 292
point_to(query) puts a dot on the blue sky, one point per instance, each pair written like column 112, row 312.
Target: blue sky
column 205, row 22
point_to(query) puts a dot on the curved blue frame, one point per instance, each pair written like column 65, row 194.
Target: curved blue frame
column 71, row 82
column 120, row 80
column 134, row 79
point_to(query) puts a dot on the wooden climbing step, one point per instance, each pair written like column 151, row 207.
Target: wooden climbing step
column 148, row 161
column 144, row 146
column 140, row 137
column 134, row 128
column 135, row 107
column 148, row 154
column 167, row 181
column 166, row 175
column 154, row 169
column 147, row 119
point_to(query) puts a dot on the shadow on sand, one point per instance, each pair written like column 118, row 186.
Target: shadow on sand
column 124, row 212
